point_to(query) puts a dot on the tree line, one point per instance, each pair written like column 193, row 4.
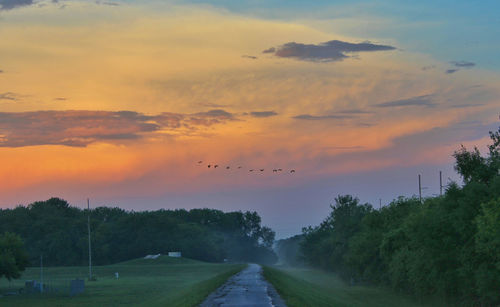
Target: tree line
column 446, row 246
column 58, row 231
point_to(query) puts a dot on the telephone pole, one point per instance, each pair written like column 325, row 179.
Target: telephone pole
column 419, row 188
column 440, row 183
column 379, row 203
column 90, row 246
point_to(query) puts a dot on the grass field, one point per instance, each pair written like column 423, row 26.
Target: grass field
column 308, row 287
column 164, row 281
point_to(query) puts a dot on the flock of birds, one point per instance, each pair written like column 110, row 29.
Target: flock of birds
column 276, row 170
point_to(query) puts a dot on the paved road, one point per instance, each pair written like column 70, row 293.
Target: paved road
column 247, row 288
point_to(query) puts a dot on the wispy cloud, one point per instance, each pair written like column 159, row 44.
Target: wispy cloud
column 354, row 111
column 428, row 67
column 419, row 101
column 263, row 114
column 252, row 57
column 321, row 117
column 81, row 128
column 109, row 3
column 466, row 105
column 464, row 64
column 330, row 51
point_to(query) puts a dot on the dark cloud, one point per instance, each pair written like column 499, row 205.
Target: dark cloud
column 321, row 117
column 9, row 96
column 463, row 64
column 452, row 71
column 270, row 50
column 60, row 98
column 252, row 57
column 263, row 114
column 334, row 50
column 420, row 101
column 81, row 128
column 11, row 4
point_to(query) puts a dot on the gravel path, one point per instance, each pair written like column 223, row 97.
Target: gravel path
column 247, row 288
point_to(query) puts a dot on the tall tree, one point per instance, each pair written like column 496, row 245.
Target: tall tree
column 13, row 257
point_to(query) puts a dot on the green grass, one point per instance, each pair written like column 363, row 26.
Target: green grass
column 160, row 282
column 308, row 287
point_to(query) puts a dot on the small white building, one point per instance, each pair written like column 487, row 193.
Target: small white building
column 175, row 254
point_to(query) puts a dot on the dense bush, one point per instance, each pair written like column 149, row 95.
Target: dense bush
column 447, row 246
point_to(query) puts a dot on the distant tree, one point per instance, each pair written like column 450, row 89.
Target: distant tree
column 474, row 167
column 13, row 258
column 267, row 236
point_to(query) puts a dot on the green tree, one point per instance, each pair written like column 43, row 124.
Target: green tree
column 13, row 258
column 488, row 251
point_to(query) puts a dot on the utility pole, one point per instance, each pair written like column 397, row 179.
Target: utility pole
column 419, row 188
column 41, row 273
column 90, row 250
column 440, row 183
column 379, row 203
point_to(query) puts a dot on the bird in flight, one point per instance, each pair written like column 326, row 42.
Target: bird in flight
column 209, row 166
column 261, row 169
column 292, row 171
column 216, row 166
column 200, row 162
column 227, row 167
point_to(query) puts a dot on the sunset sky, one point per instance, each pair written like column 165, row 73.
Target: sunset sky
column 119, row 100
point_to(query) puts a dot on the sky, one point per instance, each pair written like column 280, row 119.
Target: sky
column 118, row 101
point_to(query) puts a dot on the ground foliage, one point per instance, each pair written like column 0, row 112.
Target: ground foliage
column 446, row 246
column 58, row 231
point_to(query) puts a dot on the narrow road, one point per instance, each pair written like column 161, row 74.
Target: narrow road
column 247, row 288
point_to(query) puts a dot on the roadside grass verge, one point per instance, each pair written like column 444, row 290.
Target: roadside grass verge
column 314, row 288
column 165, row 282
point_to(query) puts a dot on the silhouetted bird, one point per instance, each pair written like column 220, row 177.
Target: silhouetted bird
column 209, row 166
column 275, row 170
column 227, row 167
column 292, row 171
column 216, row 166
column 239, row 167
column 279, row 169
column 200, row 162
column 251, row 170
column 261, row 169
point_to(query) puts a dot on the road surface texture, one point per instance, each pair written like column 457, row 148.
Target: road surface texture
column 247, row 288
